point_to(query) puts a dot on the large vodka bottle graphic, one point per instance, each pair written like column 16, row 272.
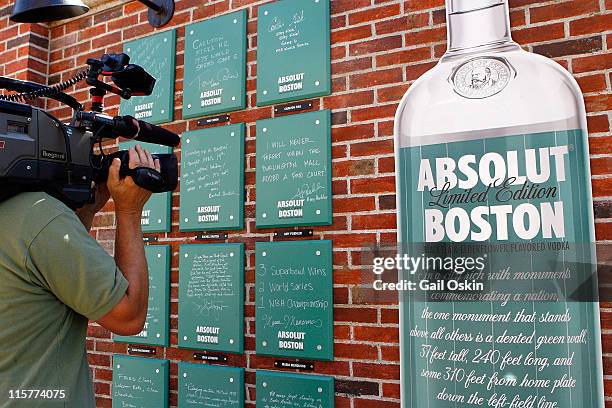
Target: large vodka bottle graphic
column 491, row 149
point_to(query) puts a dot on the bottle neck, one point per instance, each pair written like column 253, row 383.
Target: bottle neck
column 481, row 28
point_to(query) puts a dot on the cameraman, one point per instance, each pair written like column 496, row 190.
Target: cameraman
column 54, row 277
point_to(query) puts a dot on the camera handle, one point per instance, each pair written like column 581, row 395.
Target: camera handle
column 31, row 90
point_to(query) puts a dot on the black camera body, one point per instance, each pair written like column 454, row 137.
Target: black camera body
column 34, row 155
column 39, row 153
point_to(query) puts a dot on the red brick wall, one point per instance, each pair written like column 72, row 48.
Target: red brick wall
column 379, row 48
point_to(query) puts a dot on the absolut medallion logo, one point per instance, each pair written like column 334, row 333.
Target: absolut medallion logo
column 481, row 78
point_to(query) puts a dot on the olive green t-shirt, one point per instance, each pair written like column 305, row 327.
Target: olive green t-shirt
column 53, row 277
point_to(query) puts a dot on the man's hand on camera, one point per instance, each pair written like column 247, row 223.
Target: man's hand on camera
column 130, row 198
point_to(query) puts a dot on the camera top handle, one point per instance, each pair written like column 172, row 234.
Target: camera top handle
column 31, row 90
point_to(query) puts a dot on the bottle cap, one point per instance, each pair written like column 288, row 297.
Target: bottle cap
column 465, row 6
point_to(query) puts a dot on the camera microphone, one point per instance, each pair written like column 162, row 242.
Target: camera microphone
column 132, row 128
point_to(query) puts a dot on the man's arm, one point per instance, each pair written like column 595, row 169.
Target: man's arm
column 129, row 315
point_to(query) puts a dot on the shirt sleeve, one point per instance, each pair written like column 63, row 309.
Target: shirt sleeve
column 65, row 259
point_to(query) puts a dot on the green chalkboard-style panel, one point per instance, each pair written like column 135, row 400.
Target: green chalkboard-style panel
column 210, row 386
column 294, row 299
column 157, row 324
column 140, row 382
column 156, row 54
column 294, row 170
column 212, row 179
column 156, row 212
column 215, row 65
column 211, row 297
column 284, row 390
column 293, row 51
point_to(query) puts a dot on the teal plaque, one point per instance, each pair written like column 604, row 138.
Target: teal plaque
column 294, row 298
column 215, row 65
column 157, row 325
column 283, row 390
column 156, row 212
column 294, row 170
column 210, row 386
column 211, row 297
column 156, row 54
column 140, row 382
column 293, row 51
column 212, row 179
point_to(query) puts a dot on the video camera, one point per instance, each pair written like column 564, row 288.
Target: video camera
column 39, row 153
